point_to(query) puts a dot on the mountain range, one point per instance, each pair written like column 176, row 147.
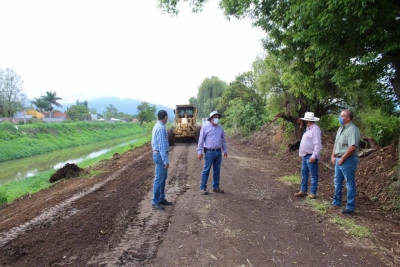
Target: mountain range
column 124, row 105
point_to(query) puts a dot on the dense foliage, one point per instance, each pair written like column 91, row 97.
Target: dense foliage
column 12, row 96
column 321, row 56
column 146, row 112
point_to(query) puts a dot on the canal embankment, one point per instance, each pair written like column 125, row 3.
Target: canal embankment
column 21, row 140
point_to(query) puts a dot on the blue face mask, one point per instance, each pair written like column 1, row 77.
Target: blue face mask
column 341, row 121
column 216, row 120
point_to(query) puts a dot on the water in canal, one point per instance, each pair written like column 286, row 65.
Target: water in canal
column 26, row 167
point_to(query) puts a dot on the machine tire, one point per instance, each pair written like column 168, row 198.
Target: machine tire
column 171, row 137
column 198, row 128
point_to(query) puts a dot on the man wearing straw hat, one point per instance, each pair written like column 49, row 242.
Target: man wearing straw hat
column 310, row 146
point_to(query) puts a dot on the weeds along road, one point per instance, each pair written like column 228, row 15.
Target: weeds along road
column 107, row 219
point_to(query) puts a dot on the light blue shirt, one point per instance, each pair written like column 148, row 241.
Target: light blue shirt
column 159, row 141
column 212, row 137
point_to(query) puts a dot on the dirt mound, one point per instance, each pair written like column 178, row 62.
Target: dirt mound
column 68, row 171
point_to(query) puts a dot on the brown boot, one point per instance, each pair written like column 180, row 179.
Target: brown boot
column 300, row 194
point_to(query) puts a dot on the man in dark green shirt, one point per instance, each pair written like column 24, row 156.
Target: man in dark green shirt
column 345, row 158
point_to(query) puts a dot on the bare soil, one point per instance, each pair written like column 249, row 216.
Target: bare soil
column 107, row 219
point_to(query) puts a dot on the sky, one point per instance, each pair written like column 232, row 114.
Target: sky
column 87, row 49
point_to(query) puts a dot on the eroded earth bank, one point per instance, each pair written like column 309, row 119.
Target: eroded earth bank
column 107, row 219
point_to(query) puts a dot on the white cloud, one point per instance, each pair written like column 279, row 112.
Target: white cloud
column 127, row 48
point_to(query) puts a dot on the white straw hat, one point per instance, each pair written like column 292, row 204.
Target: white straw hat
column 309, row 116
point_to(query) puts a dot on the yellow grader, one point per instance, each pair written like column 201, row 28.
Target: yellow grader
column 185, row 126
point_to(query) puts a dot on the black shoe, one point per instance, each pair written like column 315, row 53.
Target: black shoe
column 158, row 206
column 166, row 203
column 346, row 211
column 218, row 190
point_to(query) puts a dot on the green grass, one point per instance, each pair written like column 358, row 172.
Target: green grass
column 351, row 228
column 15, row 189
column 290, row 179
column 320, row 206
column 34, row 139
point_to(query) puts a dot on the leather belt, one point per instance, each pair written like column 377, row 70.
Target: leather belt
column 212, row 149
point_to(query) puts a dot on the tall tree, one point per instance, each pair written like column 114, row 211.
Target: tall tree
column 51, row 98
column 146, row 112
column 208, row 95
column 12, row 96
column 110, row 112
column 347, row 40
column 41, row 104
column 78, row 112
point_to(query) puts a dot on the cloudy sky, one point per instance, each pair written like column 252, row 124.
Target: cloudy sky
column 84, row 49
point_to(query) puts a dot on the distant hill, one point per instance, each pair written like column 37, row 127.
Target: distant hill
column 125, row 105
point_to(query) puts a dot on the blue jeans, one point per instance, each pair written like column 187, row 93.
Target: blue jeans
column 346, row 171
column 306, row 168
column 213, row 158
column 159, row 180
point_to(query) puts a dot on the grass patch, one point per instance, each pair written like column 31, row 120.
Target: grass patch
column 28, row 186
column 351, row 228
column 290, row 179
column 321, row 206
column 15, row 189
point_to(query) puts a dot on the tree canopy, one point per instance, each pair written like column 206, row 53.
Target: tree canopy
column 343, row 41
column 146, row 112
column 208, row 95
column 12, row 96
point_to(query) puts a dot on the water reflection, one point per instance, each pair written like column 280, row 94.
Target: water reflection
column 27, row 167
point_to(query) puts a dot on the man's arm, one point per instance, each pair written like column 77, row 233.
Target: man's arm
column 333, row 159
column 200, row 144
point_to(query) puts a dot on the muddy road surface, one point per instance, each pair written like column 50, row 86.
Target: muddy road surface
column 105, row 218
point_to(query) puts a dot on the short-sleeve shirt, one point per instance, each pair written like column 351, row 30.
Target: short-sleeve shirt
column 347, row 135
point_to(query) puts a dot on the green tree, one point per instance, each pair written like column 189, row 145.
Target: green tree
column 82, row 103
column 241, row 118
column 51, row 98
column 146, row 112
column 209, row 94
column 78, row 112
column 110, row 112
column 41, row 104
column 12, row 96
column 343, row 40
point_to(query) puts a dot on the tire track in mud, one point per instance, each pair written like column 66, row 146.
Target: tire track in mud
column 62, row 210
column 143, row 235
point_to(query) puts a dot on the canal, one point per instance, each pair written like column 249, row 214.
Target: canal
column 27, row 167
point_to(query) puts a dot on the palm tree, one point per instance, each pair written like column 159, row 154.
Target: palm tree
column 52, row 99
column 40, row 104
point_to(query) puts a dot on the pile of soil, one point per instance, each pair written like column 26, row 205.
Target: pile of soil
column 69, row 170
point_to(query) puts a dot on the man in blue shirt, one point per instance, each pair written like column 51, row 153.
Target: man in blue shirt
column 212, row 140
column 160, row 146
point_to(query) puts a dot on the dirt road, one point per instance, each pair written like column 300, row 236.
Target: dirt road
column 107, row 219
